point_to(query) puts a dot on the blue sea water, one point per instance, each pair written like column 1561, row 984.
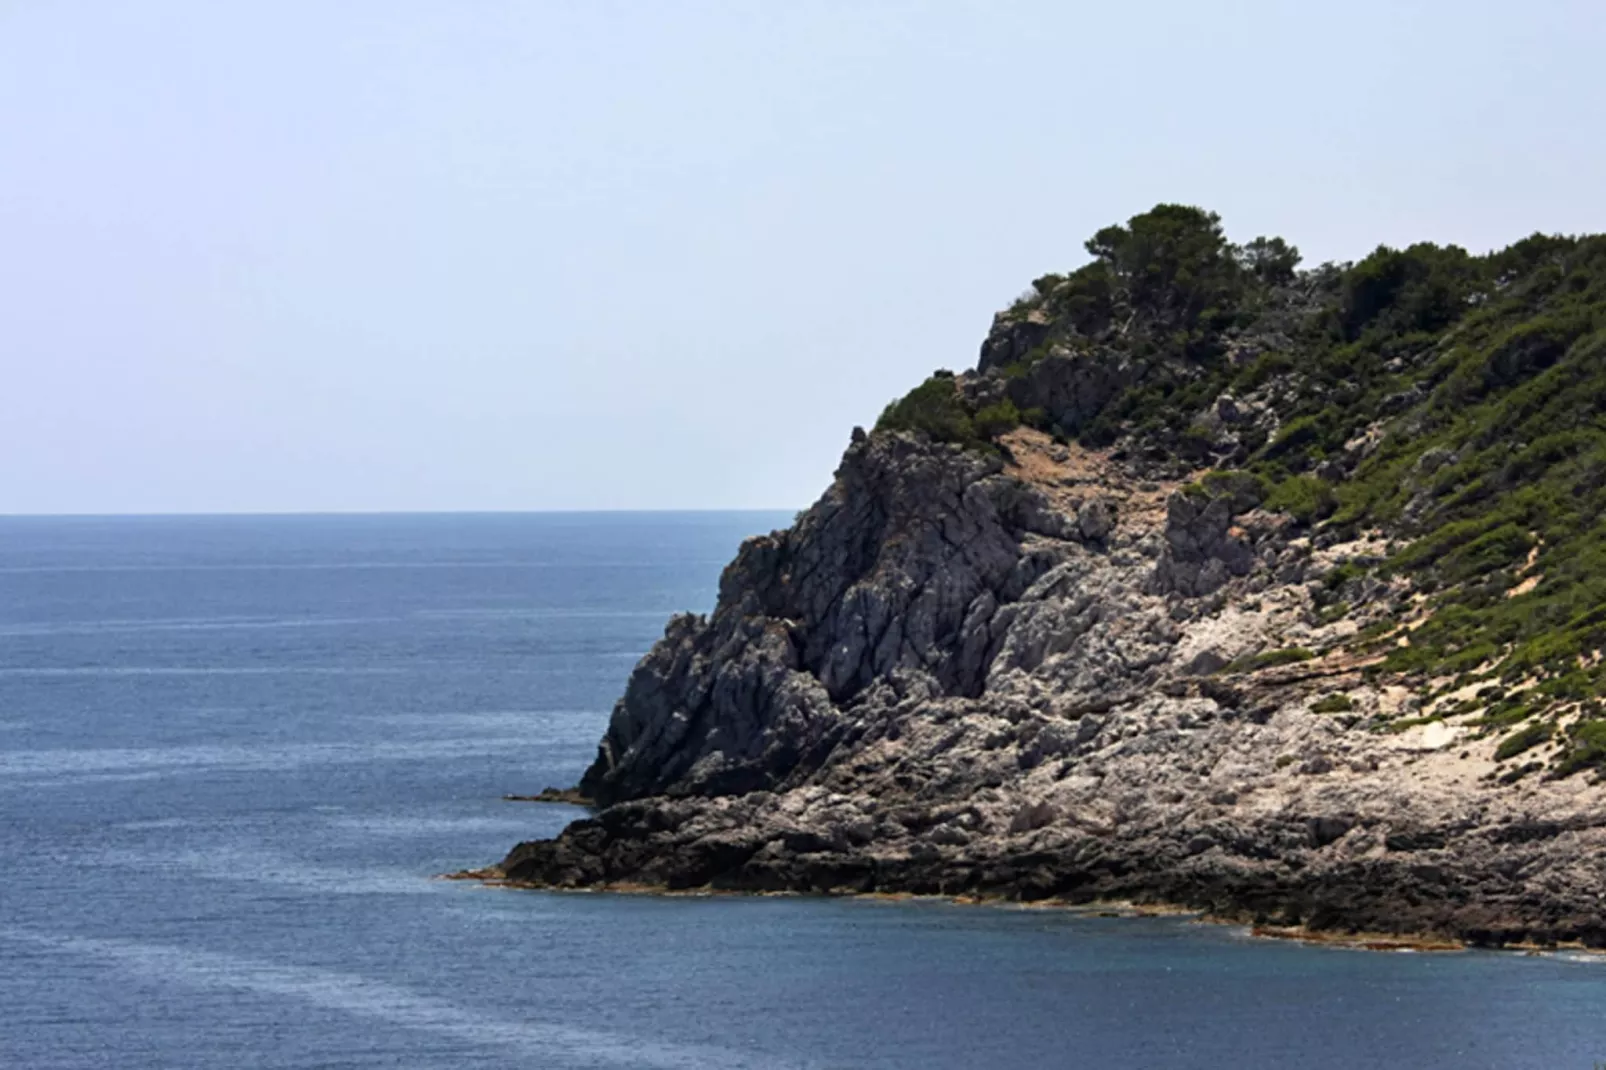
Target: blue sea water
column 234, row 751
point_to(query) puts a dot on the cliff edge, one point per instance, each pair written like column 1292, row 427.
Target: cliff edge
column 1218, row 583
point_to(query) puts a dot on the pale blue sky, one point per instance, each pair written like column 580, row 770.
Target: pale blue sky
column 399, row 255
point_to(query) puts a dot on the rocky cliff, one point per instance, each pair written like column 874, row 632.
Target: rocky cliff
column 1168, row 601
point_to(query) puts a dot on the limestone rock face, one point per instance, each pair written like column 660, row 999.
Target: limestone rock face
column 967, row 673
column 1072, row 388
column 1202, row 552
column 897, row 571
column 1010, row 340
column 1095, row 519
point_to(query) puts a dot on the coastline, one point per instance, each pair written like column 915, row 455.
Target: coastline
column 560, row 796
column 493, row 877
column 1074, row 660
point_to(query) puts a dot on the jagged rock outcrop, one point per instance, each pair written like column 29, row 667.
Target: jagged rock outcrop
column 1031, row 668
column 1202, row 551
column 1011, row 339
column 898, row 571
column 928, row 685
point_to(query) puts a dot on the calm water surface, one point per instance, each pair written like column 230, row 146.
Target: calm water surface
column 234, row 750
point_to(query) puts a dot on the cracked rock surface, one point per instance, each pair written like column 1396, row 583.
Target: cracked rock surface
column 968, row 674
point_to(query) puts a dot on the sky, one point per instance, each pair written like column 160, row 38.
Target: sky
column 396, row 255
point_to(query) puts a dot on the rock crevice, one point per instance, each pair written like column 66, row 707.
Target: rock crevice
column 1022, row 667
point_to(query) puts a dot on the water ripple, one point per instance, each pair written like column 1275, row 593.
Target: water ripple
column 253, row 757
column 363, row 997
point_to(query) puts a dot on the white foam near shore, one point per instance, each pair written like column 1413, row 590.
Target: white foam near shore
column 362, row 997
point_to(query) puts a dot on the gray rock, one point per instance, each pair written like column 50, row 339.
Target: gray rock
column 1095, row 519
column 1072, row 387
column 943, row 679
column 1010, row 340
column 1202, row 551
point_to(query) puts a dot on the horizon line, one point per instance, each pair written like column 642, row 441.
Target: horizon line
column 265, row 513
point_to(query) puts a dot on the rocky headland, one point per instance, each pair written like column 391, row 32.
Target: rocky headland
column 1262, row 592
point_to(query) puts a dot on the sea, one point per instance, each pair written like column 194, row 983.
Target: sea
column 236, row 752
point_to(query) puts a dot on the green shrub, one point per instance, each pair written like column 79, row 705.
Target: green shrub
column 1174, row 264
column 1272, row 260
column 1510, row 711
column 1335, row 612
column 1246, row 489
column 1087, row 299
column 1270, row 659
column 1264, row 368
column 1335, row 703
column 1342, row 574
column 1530, row 348
column 993, row 420
column 1413, row 722
column 1586, row 748
column 1422, row 288
column 933, row 408
column 1296, row 433
column 1305, row 498
column 1523, row 739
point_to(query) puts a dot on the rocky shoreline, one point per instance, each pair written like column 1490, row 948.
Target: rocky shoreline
column 1093, row 623
column 494, row 877
column 944, row 682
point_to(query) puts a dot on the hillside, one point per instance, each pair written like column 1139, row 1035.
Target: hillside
column 1264, row 591
column 1450, row 404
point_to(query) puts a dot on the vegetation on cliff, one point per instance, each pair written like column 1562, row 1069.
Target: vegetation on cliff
column 1452, row 402
column 1282, row 608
